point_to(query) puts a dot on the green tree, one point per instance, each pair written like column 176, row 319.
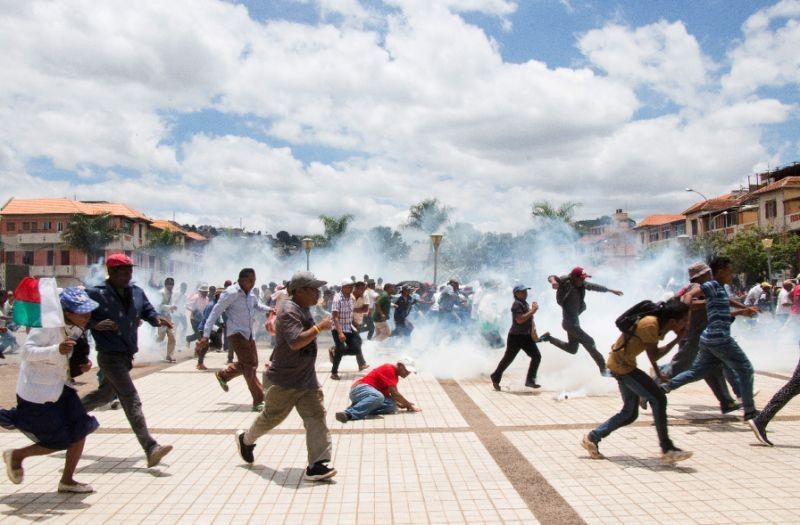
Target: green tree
column 335, row 227
column 548, row 211
column 389, row 241
column 427, row 215
column 90, row 234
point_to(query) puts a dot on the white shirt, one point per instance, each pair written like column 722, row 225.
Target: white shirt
column 358, row 317
column 753, row 295
column 241, row 311
column 43, row 371
column 371, row 296
column 785, row 300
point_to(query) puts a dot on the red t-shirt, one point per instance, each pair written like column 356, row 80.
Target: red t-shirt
column 380, row 378
column 795, row 300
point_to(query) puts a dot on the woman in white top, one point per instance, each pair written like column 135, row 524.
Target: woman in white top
column 48, row 409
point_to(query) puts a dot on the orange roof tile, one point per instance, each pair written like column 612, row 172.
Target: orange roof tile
column 777, row 185
column 195, row 236
column 69, row 206
column 659, row 220
column 166, row 225
column 717, row 203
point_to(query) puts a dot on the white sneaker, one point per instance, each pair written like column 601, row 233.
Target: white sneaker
column 591, row 448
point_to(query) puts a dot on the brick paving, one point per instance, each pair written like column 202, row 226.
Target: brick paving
column 472, row 456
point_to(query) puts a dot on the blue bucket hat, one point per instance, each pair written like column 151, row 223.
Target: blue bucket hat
column 77, row 301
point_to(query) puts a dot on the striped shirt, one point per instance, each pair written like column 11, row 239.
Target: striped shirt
column 718, row 310
column 343, row 305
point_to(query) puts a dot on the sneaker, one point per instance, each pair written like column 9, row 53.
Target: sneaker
column 363, row 367
column 750, row 415
column 331, row 353
column 342, row 417
column 532, row 384
column 760, row 430
column 665, row 387
column 731, row 407
column 115, row 404
column 222, row 383
column 674, row 455
column 319, row 471
column 77, row 488
column 258, row 407
column 245, row 451
column 201, row 366
column 157, row 454
column 545, row 337
column 591, row 447
column 495, row 383
column 335, row 377
column 15, row 475
column 643, row 403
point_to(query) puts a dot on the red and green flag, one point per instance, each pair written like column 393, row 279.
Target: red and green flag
column 36, row 303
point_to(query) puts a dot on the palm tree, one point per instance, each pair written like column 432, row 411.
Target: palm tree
column 335, row 226
column 427, row 215
column 546, row 210
column 90, row 234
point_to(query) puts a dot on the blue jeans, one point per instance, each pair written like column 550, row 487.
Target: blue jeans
column 366, row 401
column 632, row 386
column 709, row 358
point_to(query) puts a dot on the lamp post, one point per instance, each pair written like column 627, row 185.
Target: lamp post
column 307, row 245
column 767, row 244
column 697, row 192
column 436, row 240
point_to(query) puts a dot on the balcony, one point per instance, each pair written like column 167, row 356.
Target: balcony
column 73, row 271
column 36, row 238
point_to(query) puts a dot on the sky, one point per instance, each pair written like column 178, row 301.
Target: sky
column 270, row 113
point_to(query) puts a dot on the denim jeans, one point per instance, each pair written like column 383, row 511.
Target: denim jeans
column 632, row 386
column 709, row 358
column 366, row 401
column 117, row 380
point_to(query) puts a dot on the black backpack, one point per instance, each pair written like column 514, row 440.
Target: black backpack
column 627, row 321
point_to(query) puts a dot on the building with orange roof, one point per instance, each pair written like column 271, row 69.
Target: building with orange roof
column 31, row 240
column 661, row 229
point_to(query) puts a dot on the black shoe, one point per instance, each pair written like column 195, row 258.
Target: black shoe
column 760, row 430
column 319, row 471
column 643, row 403
column 750, row 415
column 245, row 451
column 532, row 384
column 342, row 417
column 731, row 407
column 545, row 337
column 495, row 384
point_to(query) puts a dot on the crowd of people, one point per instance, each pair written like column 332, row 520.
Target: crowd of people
column 292, row 315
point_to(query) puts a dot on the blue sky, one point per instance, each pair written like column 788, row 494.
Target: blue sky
column 275, row 112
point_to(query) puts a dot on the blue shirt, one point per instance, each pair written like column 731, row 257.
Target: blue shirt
column 240, row 308
column 718, row 311
column 124, row 310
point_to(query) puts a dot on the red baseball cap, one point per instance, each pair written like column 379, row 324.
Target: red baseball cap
column 118, row 259
column 579, row 272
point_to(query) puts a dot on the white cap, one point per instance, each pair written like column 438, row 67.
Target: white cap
column 408, row 363
column 347, row 282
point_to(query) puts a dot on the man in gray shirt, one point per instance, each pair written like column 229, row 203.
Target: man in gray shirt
column 291, row 380
column 240, row 303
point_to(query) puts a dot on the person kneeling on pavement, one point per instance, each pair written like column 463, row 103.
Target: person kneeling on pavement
column 376, row 393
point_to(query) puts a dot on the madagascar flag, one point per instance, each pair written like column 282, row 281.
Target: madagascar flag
column 36, row 303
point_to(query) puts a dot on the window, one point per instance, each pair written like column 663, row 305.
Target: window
column 694, row 227
column 64, row 257
column 27, row 258
column 680, row 228
column 653, row 234
column 666, row 231
column 644, row 239
column 11, row 226
column 34, row 226
column 51, row 257
column 771, row 209
column 60, row 226
column 47, row 226
column 26, row 226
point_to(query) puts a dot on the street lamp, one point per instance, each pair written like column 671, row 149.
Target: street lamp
column 697, row 192
column 307, row 245
column 436, row 240
column 767, row 244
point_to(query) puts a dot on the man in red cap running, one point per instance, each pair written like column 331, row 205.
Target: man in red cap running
column 570, row 295
column 114, row 326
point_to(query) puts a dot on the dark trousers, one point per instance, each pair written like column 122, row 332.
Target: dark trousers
column 514, row 344
column 195, row 335
column 633, row 386
column 350, row 346
column 402, row 328
column 576, row 336
column 117, row 381
column 368, row 325
column 716, row 378
column 246, row 365
column 781, row 397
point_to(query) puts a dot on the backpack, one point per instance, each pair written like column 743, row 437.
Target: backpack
column 627, row 321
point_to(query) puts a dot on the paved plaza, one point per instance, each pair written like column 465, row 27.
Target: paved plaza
column 472, row 456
